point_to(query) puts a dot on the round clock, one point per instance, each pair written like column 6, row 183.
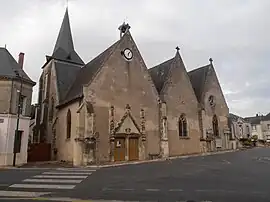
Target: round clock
column 128, row 54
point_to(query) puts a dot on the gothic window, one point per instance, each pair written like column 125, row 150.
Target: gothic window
column 211, row 101
column 215, row 126
column 68, row 124
column 46, row 85
column 182, row 126
column 51, row 110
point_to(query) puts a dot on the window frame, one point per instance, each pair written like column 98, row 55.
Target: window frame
column 182, row 126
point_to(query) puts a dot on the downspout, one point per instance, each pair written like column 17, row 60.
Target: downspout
column 11, row 97
column 8, row 136
column 8, row 117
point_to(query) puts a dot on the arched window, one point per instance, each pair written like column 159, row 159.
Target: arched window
column 182, row 126
column 215, row 126
column 51, row 110
column 68, row 124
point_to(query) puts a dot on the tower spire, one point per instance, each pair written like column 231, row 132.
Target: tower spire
column 64, row 48
column 64, row 39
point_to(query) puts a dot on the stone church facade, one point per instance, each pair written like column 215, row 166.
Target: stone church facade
column 114, row 108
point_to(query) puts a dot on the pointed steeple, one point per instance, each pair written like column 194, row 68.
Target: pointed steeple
column 64, row 39
column 64, row 48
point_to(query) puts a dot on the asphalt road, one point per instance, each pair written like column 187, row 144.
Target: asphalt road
column 242, row 176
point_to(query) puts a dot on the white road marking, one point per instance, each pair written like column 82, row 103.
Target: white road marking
column 128, row 189
column 65, row 199
column 176, row 190
column 4, row 185
column 106, row 189
column 42, row 186
column 52, row 180
column 66, row 173
column 61, row 176
column 76, row 169
column 22, row 193
column 151, row 189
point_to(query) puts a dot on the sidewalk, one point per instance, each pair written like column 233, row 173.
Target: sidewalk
column 164, row 159
column 40, row 165
column 56, row 164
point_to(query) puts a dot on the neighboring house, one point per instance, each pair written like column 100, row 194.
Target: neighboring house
column 13, row 79
column 256, row 126
column 240, row 129
column 260, row 126
column 265, row 126
column 115, row 109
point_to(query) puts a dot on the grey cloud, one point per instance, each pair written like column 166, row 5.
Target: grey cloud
column 233, row 32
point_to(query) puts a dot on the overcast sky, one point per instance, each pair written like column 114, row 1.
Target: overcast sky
column 235, row 33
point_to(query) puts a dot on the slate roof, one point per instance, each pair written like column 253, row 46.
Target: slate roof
column 64, row 48
column 86, row 74
column 234, row 117
column 8, row 66
column 197, row 78
column 159, row 73
column 66, row 75
column 255, row 119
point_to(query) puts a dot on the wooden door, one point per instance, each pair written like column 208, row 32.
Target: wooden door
column 119, row 149
column 133, row 148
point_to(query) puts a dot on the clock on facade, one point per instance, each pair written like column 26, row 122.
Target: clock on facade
column 128, row 54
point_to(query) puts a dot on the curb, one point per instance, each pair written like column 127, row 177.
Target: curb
column 164, row 159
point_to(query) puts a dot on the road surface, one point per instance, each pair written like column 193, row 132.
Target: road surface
column 242, row 176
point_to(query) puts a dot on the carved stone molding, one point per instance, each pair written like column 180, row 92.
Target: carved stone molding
column 142, row 117
column 111, row 119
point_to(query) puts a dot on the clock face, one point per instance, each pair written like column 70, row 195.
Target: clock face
column 128, row 54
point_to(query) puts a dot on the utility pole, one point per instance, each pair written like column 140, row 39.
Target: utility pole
column 18, row 120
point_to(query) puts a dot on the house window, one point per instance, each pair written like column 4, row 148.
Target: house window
column 253, row 127
column 182, row 126
column 18, row 141
column 215, row 126
column 68, row 124
column 268, row 126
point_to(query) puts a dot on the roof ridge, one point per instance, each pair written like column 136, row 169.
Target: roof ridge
column 9, row 65
column 87, row 66
column 199, row 68
column 162, row 63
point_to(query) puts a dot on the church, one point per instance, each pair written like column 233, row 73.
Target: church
column 114, row 108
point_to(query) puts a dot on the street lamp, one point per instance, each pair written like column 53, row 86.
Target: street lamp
column 18, row 119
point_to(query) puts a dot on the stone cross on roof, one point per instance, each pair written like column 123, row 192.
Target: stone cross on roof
column 123, row 28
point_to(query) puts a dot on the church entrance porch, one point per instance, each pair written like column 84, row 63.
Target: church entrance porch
column 119, row 149
column 126, row 147
column 133, row 148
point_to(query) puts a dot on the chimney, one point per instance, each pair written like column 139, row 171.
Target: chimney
column 257, row 115
column 21, row 59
